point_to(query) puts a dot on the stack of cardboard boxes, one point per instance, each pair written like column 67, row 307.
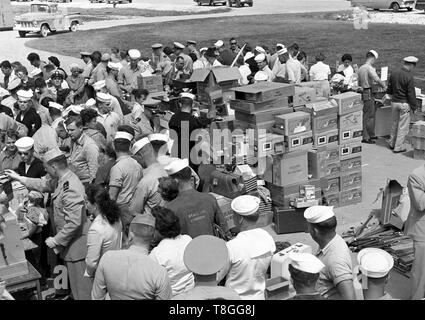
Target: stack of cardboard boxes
column 417, row 139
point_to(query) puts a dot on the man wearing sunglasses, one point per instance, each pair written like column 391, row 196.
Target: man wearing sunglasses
column 234, row 46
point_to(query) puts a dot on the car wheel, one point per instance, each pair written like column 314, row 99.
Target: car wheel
column 22, row 34
column 409, row 9
column 44, row 30
column 395, row 6
column 73, row 27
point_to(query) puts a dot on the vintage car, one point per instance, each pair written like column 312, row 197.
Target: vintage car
column 240, row 3
column 211, row 2
column 395, row 5
column 44, row 18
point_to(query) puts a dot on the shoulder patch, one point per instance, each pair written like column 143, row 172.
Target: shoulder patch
column 66, row 186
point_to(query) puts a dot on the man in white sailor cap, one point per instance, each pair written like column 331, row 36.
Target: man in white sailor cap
column 107, row 117
column 115, row 106
column 304, row 269
column 261, row 76
column 27, row 115
column 401, row 88
column 250, row 252
column 225, row 56
column 127, row 77
column 279, row 68
column 30, row 166
column 188, row 62
column 375, row 265
column 88, row 68
column 146, row 195
column 191, row 46
column 197, row 211
column 273, row 57
column 366, row 77
column 202, row 62
column 211, row 58
column 336, row 279
column 263, row 66
column 111, row 81
column 205, row 256
column 70, row 219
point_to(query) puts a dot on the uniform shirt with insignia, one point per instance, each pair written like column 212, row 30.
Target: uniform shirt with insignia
column 83, row 159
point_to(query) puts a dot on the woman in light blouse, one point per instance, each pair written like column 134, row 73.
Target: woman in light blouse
column 105, row 231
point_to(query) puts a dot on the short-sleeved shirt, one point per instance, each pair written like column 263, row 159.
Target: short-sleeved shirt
column 319, row 71
column 169, row 254
column 128, row 76
column 110, row 122
column 146, row 195
column 293, row 69
column 338, row 267
column 125, row 174
column 9, row 160
column 366, row 75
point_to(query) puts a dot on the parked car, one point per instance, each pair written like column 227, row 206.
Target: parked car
column 240, row 3
column 45, row 17
column 211, row 2
column 395, row 5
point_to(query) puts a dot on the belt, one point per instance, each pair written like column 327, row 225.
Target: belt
column 364, row 89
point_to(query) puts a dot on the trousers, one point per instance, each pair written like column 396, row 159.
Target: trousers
column 400, row 125
column 80, row 285
column 418, row 271
column 369, row 112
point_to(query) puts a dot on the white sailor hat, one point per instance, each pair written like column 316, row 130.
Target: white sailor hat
column 134, row 54
column 123, row 135
column 261, row 76
column 74, row 108
column 176, row 166
column 34, row 72
column 85, row 53
column 245, row 205
column 99, row 85
column 55, row 105
column 114, row 65
column 283, row 50
column 260, row 57
column 206, row 255
column 105, row 57
column 411, row 59
column 90, row 103
column 191, row 42
column 53, row 155
column 279, row 45
column 317, row 214
column 158, row 137
column 16, row 82
column 73, row 66
column 260, row 49
column 187, row 95
column 178, row 45
column 139, row 144
column 219, row 44
column 305, row 262
column 203, row 49
column 157, row 46
column 24, row 95
column 103, row 97
column 374, row 53
column 374, row 262
column 24, row 144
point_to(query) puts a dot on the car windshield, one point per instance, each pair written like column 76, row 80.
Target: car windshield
column 40, row 8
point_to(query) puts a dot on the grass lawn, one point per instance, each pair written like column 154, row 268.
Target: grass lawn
column 95, row 14
column 313, row 32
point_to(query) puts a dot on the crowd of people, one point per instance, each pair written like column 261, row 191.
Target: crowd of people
column 121, row 213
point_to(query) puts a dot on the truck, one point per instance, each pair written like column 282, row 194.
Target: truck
column 43, row 18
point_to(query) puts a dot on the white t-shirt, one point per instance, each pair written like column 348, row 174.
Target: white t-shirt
column 169, row 254
column 250, row 255
column 319, row 71
column 245, row 72
column 348, row 72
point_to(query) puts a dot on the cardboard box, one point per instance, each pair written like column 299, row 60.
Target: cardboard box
column 290, row 168
column 252, row 107
column 328, row 154
column 351, row 180
column 151, row 83
column 351, row 120
column 289, row 220
column 321, row 108
column 383, row 121
column 351, row 196
column 332, row 186
column 277, row 288
column 420, row 102
column 323, row 169
column 259, row 116
column 299, row 141
column 293, row 123
column 324, row 123
column 390, row 200
column 280, row 260
column 348, row 102
column 417, row 143
column 326, row 138
column 418, row 129
column 264, row 91
column 224, row 204
column 303, row 95
column 351, row 165
column 266, row 125
column 314, row 84
column 283, row 195
column 419, row 154
column 349, row 151
column 270, row 144
column 350, row 135
column 332, row 199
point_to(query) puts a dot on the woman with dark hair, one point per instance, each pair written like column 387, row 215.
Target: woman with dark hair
column 302, row 58
column 169, row 252
column 105, row 232
column 168, row 188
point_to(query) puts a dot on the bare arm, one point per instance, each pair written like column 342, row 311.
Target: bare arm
column 346, row 290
